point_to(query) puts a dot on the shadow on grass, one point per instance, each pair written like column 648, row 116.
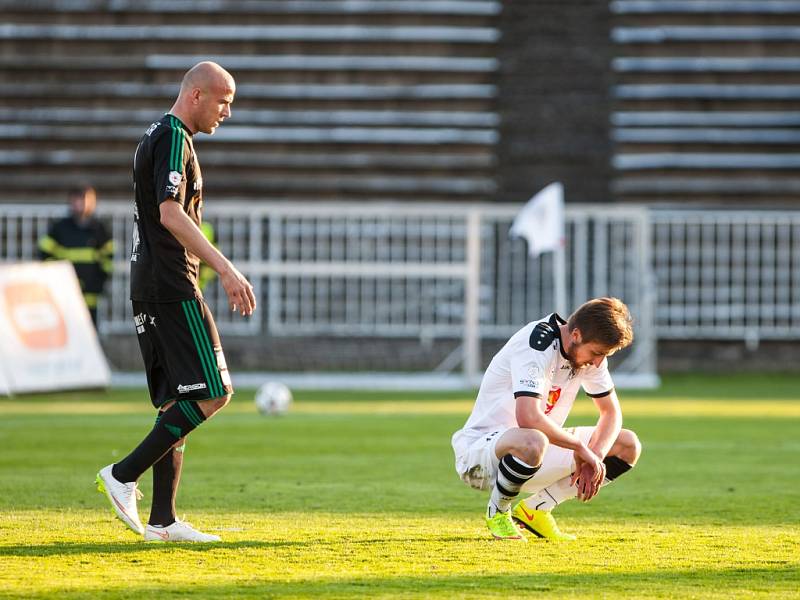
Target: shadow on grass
column 135, row 546
column 700, row 583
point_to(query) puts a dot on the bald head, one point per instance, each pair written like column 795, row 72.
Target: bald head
column 205, row 75
column 205, row 98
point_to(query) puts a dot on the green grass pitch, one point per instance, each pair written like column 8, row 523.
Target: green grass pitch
column 353, row 495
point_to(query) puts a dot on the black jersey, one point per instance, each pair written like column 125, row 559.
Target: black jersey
column 165, row 169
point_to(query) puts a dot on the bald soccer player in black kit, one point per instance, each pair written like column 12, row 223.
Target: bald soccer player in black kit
column 186, row 372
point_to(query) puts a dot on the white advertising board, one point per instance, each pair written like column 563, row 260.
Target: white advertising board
column 47, row 340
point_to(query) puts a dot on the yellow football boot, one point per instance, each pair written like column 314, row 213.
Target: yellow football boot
column 540, row 523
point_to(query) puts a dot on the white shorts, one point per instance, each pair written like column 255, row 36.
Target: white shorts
column 477, row 462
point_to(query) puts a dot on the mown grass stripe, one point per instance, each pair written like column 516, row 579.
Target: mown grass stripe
column 203, row 361
column 214, row 383
column 688, row 542
column 215, row 369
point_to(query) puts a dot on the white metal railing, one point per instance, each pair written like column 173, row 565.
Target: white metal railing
column 390, row 270
column 727, row 274
column 403, row 270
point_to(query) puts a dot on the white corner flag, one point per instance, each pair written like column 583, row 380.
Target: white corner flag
column 541, row 221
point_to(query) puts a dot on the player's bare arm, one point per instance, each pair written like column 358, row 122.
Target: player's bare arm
column 237, row 287
column 530, row 415
column 609, row 425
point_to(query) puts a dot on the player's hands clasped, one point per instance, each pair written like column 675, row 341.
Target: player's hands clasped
column 587, row 486
column 589, row 473
column 240, row 292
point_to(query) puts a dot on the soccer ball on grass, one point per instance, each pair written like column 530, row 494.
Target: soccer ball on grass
column 273, row 398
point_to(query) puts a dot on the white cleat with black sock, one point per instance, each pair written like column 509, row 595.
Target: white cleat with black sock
column 122, row 496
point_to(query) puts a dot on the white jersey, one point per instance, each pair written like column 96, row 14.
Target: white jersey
column 533, row 363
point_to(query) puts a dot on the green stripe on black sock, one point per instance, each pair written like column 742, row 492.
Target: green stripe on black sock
column 189, row 413
column 195, row 408
column 175, row 424
column 190, row 409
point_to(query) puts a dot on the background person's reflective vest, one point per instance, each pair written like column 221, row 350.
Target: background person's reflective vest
column 88, row 247
column 206, row 274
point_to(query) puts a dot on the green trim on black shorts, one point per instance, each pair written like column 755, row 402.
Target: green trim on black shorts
column 205, row 350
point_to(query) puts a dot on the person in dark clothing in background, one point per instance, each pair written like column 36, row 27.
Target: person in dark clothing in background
column 84, row 241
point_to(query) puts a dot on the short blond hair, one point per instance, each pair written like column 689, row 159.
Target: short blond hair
column 604, row 320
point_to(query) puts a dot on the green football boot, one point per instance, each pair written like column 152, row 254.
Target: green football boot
column 502, row 527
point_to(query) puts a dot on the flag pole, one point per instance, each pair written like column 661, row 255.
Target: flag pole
column 560, row 279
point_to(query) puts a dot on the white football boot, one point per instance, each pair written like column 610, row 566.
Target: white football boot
column 123, row 497
column 179, row 531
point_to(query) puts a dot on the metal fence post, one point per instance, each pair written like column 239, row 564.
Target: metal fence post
column 472, row 284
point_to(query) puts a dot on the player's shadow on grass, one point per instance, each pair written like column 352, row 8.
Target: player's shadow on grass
column 135, row 546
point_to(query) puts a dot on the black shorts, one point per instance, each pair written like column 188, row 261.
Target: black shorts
column 182, row 354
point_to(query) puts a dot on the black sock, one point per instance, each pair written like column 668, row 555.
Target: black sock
column 166, row 478
column 615, row 467
column 176, row 422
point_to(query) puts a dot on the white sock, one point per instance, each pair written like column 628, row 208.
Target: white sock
column 561, row 491
column 553, row 495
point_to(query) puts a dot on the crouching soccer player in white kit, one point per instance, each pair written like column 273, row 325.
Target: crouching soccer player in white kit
column 514, row 440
